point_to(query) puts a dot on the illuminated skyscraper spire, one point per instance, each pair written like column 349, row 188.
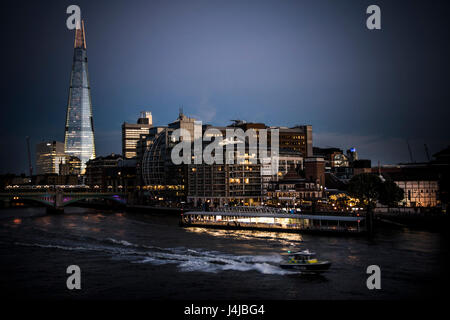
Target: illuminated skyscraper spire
column 80, row 39
column 79, row 131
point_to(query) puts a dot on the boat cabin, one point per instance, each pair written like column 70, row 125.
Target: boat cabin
column 302, row 256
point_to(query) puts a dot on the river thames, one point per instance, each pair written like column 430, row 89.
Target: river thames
column 146, row 256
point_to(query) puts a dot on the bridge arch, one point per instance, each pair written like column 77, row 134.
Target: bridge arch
column 61, row 199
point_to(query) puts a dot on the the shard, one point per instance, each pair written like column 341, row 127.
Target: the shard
column 79, row 131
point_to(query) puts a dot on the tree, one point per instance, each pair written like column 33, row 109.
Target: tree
column 366, row 187
column 391, row 194
column 369, row 189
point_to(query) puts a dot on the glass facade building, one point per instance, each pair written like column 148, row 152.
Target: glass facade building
column 79, row 130
column 49, row 155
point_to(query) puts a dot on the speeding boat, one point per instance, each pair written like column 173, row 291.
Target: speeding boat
column 304, row 261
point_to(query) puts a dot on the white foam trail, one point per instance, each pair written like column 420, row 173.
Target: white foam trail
column 207, row 261
column 268, row 258
column 122, row 242
column 50, row 246
column 129, row 244
column 188, row 260
column 151, row 260
column 109, row 250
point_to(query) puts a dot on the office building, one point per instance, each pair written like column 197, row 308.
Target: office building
column 292, row 190
column 96, row 170
column 352, row 155
column 133, row 132
column 222, row 183
column 49, row 155
column 315, row 170
column 298, row 138
column 79, row 129
column 334, row 157
column 72, row 166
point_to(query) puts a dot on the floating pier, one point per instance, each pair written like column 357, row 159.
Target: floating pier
column 274, row 221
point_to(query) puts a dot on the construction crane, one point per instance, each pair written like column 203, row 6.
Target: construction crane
column 29, row 157
column 410, row 152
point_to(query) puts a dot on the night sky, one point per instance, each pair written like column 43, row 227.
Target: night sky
column 277, row 62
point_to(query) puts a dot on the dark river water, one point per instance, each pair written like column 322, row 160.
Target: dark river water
column 146, row 256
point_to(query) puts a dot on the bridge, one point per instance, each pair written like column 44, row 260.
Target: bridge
column 57, row 197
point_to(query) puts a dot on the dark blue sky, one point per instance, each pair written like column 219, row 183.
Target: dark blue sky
column 278, row 62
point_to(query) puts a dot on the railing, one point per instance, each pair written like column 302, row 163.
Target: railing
column 244, row 209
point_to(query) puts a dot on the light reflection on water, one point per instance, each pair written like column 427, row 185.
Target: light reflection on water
column 287, row 238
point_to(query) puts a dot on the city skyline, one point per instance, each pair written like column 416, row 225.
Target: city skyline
column 167, row 58
column 238, row 157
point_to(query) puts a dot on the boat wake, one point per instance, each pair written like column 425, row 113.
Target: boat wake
column 186, row 259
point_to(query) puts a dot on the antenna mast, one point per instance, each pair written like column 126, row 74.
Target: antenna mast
column 410, row 152
column 426, row 152
column 29, row 157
